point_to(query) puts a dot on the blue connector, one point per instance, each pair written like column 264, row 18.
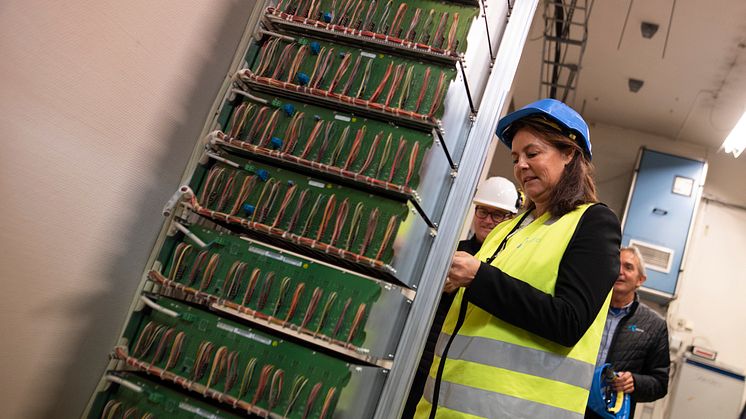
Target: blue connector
column 275, row 143
column 248, row 209
column 263, row 174
column 302, row 78
column 327, row 16
column 289, row 109
column 315, row 48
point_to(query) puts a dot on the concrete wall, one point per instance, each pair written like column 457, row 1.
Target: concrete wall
column 102, row 102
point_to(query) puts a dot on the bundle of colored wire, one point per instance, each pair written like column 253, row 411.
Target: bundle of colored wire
column 355, row 22
column 341, row 70
column 218, row 366
column 327, row 215
column 371, row 153
column 178, row 266
column 282, row 62
column 370, row 231
column 130, row 413
column 451, row 44
column 160, row 350
column 353, row 73
column 298, row 384
column 233, row 279
column 344, row 9
column 327, row 402
column 266, row 288
column 148, row 416
column 372, row 7
column 284, row 285
column 398, row 18
column 355, row 149
column 325, row 312
column 423, row 90
column 284, row 204
column 212, row 265
column 312, row 138
column 263, row 379
column 438, row 40
column 214, row 179
column 398, row 75
column 382, row 83
column 384, row 155
column 387, row 235
column 357, row 215
column 384, row 17
column 438, row 94
column 227, row 191
column 236, row 123
column 300, row 56
column 397, row 158
column 427, row 28
column 111, row 409
column 250, row 287
column 201, row 360
column 262, row 203
column 318, row 63
column 142, row 345
column 259, row 122
column 269, row 129
column 311, row 215
column 275, row 388
column 407, row 87
column 313, row 10
column 292, row 132
column 340, row 320
column 294, row 301
column 197, row 266
column 266, row 54
column 412, row 162
column 311, row 308
column 325, row 144
column 340, row 222
column 410, row 33
column 248, row 185
column 298, row 209
column 175, row 354
column 231, row 371
column 356, row 322
column 340, row 145
column 311, row 399
column 366, row 77
column 318, row 81
column 248, row 373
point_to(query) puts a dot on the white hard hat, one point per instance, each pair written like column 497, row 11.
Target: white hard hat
column 498, row 192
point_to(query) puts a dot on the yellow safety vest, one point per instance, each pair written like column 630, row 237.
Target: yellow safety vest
column 496, row 370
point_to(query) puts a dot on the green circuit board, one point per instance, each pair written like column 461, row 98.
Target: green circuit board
column 238, row 361
column 318, row 214
column 252, row 275
column 283, row 128
column 154, row 401
column 431, row 23
column 354, row 74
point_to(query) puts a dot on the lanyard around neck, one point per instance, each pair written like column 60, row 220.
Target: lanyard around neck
column 505, row 240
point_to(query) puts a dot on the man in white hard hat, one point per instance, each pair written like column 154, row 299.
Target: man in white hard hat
column 496, row 200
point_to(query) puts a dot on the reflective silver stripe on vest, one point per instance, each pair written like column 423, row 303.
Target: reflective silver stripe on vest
column 517, row 358
column 491, row 405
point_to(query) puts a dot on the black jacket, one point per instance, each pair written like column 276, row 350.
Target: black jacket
column 640, row 346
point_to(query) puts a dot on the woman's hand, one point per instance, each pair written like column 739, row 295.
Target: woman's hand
column 463, row 269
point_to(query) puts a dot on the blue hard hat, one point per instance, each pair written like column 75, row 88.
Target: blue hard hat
column 569, row 122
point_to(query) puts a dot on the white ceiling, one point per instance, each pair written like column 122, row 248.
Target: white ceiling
column 695, row 93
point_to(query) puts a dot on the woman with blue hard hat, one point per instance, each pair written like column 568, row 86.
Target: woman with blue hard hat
column 521, row 337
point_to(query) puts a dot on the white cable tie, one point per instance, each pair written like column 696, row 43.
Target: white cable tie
column 250, row 96
column 189, row 234
column 222, row 159
column 148, row 302
column 124, row 383
column 174, row 200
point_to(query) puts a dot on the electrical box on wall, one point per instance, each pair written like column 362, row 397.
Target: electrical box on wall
column 661, row 206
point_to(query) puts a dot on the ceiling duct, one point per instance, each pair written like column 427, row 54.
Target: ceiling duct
column 565, row 36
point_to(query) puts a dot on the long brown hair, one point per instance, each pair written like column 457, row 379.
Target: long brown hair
column 576, row 186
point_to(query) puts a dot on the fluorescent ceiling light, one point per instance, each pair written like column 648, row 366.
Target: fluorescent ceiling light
column 736, row 140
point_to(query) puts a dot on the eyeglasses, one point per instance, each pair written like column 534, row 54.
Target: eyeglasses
column 497, row 215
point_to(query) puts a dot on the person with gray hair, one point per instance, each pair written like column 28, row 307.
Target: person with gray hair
column 635, row 339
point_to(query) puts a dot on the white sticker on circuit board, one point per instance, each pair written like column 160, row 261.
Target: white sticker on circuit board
column 276, row 256
column 245, row 333
column 342, row 118
column 317, row 184
column 367, row 54
column 197, row 411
